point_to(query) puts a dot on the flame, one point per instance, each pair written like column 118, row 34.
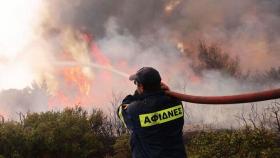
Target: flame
column 75, row 77
column 77, row 84
column 181, row 47
column 171, row 5
column 75, row 89
column 102, row 60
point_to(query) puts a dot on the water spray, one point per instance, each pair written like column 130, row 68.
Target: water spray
column 231, row 99
column 92, row 65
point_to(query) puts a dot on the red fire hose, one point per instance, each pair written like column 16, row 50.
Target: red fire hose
column 232, row 99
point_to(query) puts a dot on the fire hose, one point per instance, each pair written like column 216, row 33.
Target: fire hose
column 231, row 99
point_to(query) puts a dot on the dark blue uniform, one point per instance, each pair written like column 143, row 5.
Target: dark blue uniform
column 156, row 123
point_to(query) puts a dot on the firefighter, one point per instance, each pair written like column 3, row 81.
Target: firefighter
column 154, row 119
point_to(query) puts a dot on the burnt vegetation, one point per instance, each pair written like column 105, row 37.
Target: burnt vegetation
column 210, row 57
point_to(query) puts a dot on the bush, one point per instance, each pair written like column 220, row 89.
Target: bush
column 70, row 133
column 235, row 143
column 76, row 133
column 122, row 147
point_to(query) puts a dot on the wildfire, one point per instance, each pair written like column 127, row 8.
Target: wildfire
column 78, row 83
column 73, row 89
column 75, row 77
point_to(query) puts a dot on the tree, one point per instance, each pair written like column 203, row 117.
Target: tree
column 212, row 58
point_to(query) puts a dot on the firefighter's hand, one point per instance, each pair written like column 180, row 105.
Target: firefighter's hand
column 164, row 87
column 128, row 99
column 136, row 93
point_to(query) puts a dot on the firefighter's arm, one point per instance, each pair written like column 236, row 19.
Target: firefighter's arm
column 120, row 113
column 122, row 109
column 128, row 99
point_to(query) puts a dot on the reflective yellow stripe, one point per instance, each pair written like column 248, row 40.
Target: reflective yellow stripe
column 121, row 115
column 161, row 116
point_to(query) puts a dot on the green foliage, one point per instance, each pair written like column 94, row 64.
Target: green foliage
column 122, row 148
column 235, row 143
column 71, row 133
column 12, row 140
column 76, row 133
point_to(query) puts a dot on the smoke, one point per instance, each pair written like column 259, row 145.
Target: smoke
column 246, row 29
column 15, row 103
column 130, row 34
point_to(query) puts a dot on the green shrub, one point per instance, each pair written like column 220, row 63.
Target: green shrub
column 70, row 133
column 122, row 147
column 234, row 143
